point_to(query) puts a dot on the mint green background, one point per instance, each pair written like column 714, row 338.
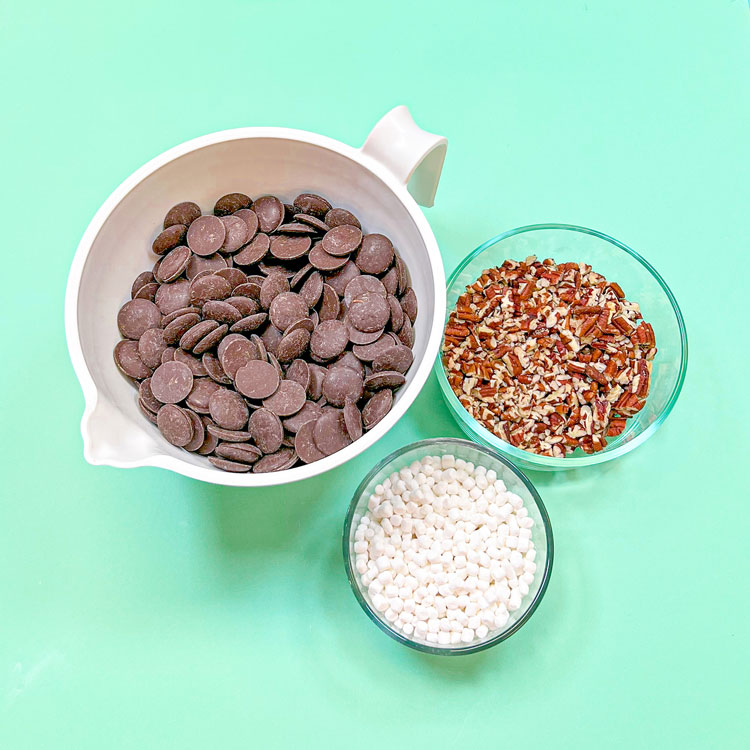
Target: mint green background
column 139, row 609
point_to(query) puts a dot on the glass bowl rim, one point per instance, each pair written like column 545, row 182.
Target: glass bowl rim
column 534, row 460
column 381, row 622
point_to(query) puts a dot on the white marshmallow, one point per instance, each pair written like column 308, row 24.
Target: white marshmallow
column 444, row 551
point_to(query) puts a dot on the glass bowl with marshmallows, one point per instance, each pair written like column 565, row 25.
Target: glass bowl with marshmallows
column 448, row 546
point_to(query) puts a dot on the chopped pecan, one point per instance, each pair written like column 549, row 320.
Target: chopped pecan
column 595, row 375
column 551, row 358
column 616, row 426
column 617, row 289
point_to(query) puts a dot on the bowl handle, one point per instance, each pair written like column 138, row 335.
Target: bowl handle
column 109, row 437
column 414, row 156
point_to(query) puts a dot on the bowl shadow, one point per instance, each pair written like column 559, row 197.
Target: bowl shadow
column 264, row 518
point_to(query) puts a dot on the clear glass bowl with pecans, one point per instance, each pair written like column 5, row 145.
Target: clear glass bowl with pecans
column 564, row 347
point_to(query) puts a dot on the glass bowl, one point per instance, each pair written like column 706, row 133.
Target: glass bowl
column 641, row 283
column 515, row 481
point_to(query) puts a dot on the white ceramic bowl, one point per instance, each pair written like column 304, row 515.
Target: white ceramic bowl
column 371, row 182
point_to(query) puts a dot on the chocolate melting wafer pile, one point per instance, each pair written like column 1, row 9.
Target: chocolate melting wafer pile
column 267, row 333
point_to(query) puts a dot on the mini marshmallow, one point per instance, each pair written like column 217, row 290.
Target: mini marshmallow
column 444, row 551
